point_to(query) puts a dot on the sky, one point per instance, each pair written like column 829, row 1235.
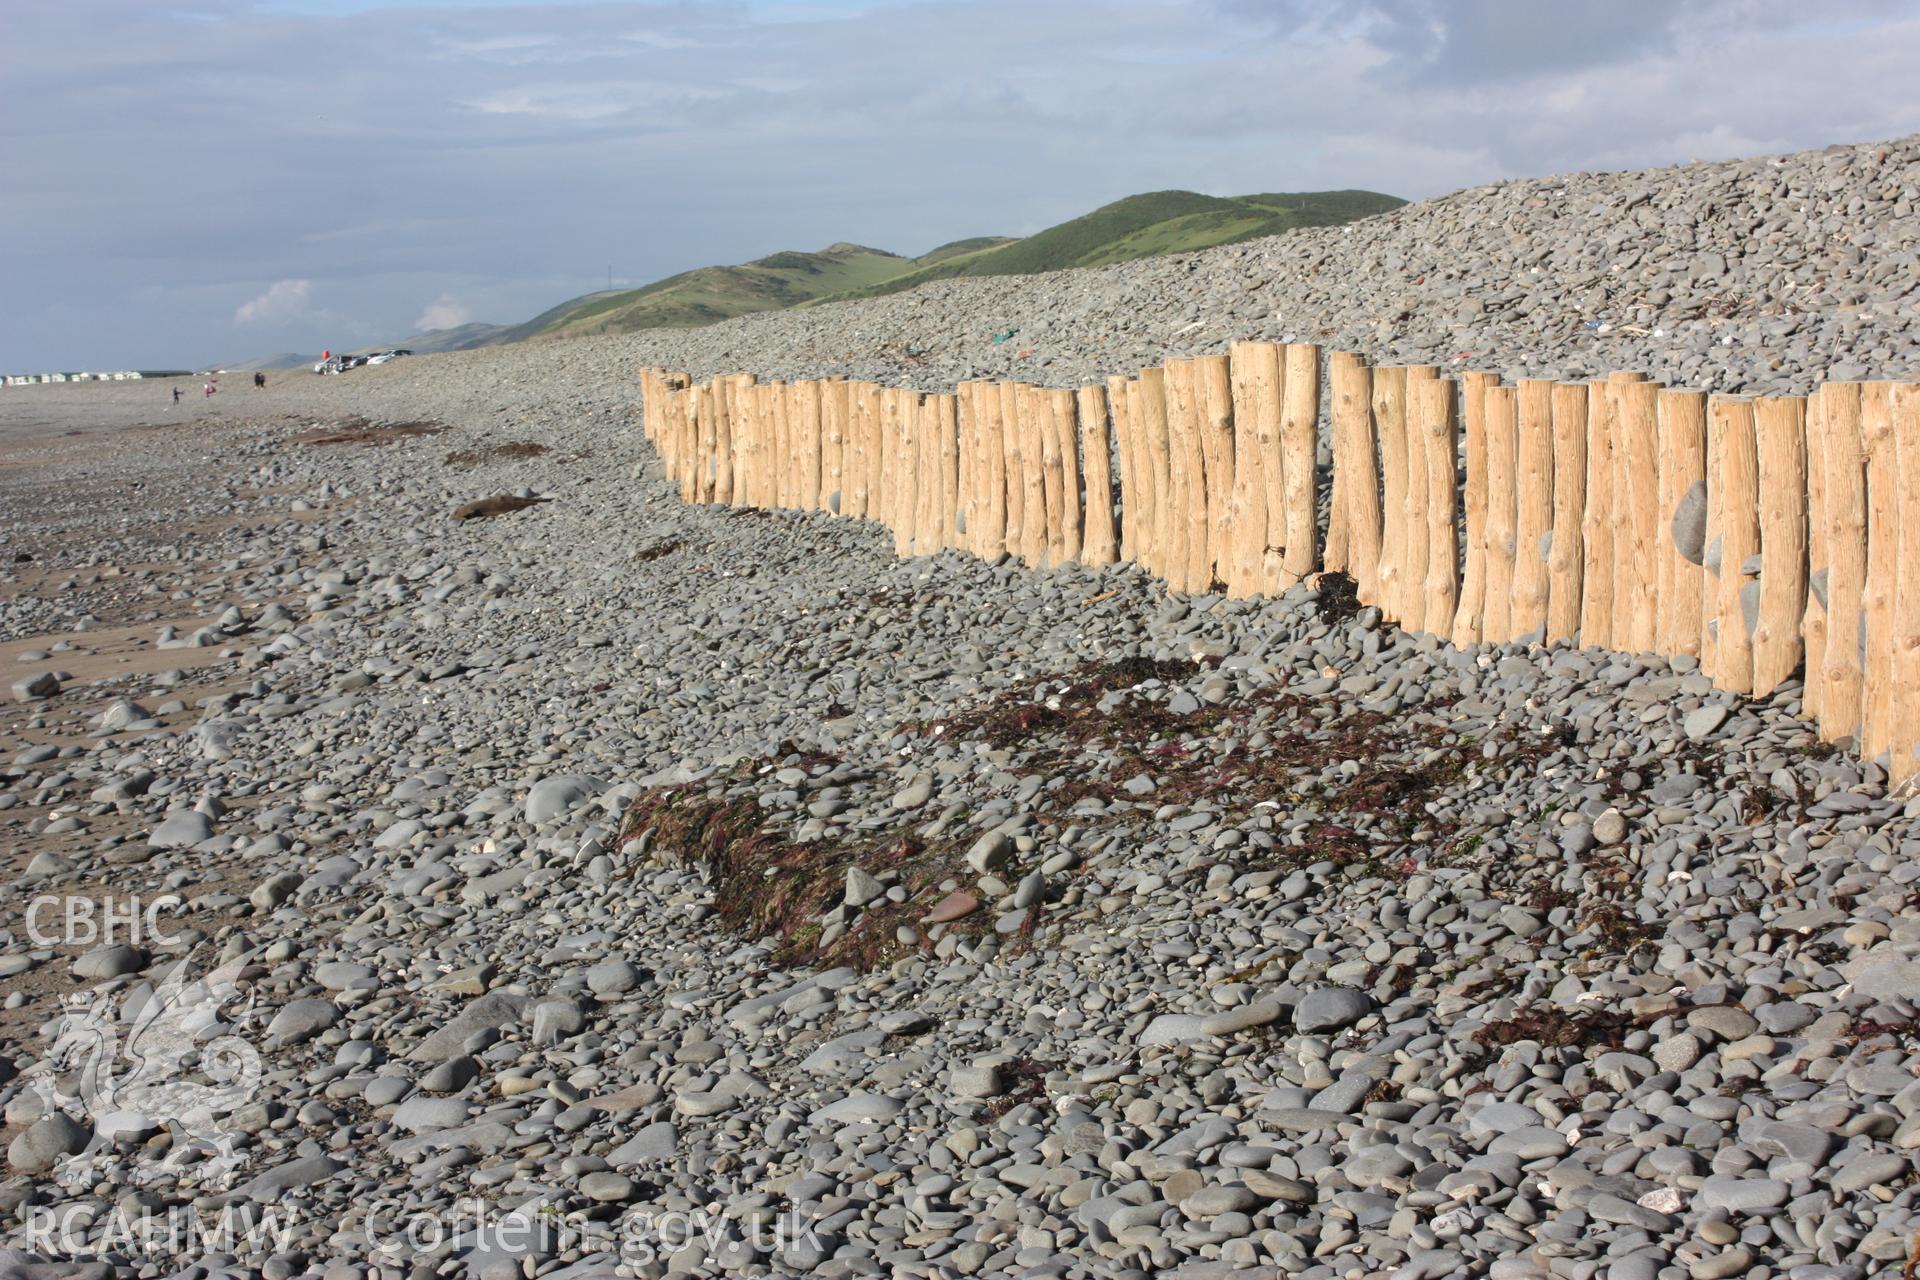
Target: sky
column 191, row 181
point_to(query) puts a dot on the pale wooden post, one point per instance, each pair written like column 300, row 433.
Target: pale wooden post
column 1128, row 511
column 669, row 442
column 1906, row 602
column 886, row 436
column 786, row 453
column 812, row 423
column 1682, row 424
column 1299, row 425
column 701, row 397
column 690, row 444
column 924, row 469
column 699, row 427
column 927, row 501
column 1012, row 449
column 739, row 423
column 1533, row 505
column 1501, row 410
column 973, row 487
column 1597, row 526
column 716, row 437
column 1846, row 561
column 1213, row 384
column 1882, row 571
column 724, row 397
column 877, row 446
column 1390, row 426
column 947, row 422
column 896, row 479
column 765, row 492
column 1667, row 474
column 975, row 426
column 1050, row 475
column 746, row 436
column 923, row 525
column 766, row 460
column 1473, row 579
column 1739, row 479
column 699, row 433
column 1813, row 627
column 1099, row 546
column 859, row 458
column 670, row 411
column 836, row 444
column 1157, row 398
column 1199, row 512
column 993, row 533
column 1184, row 474
column 657, row 417
column 812, row 404
column 1268, row 371
column 1167, row 515
column 688, row 454
column 1250, row 537
column 833, row 445
column 1033, row 416
column 917, row 449
column 1187, row 460
column 1637, row 498
column 702, row 437
column 1413, row 539
column 1780, row 424
column 915, row 446
column 941, row 422
column 1709, row 553
column 1433, row 411
column 1072, row 517
column 713, row 436
column 1565, row 556
column 965, row 523
column 1350, row 384
column 792, row 427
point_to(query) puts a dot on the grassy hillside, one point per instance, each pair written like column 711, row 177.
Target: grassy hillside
column 1142, row 226
column 707, row 294
column 1137, row 227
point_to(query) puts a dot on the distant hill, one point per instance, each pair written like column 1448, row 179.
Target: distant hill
column 1142, row 226
column 1136, row 227
column 707, row 294
column 279, row 360
column 460, row 338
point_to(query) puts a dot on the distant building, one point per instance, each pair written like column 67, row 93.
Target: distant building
column 30, row 379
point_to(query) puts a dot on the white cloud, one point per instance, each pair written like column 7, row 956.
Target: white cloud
column 444, row 312
column 284, row 301
column 589, row 101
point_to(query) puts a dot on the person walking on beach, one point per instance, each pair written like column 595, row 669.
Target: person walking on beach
column 176, row 395
column 259, row 381
column 209, row 389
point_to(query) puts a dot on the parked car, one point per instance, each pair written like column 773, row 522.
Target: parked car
column 342, row 363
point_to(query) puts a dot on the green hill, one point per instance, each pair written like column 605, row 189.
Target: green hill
column 707, row 294
column 1136, row 227
column 1142, row 226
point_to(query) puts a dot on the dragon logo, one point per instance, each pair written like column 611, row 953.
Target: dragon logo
column 170, row 1056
